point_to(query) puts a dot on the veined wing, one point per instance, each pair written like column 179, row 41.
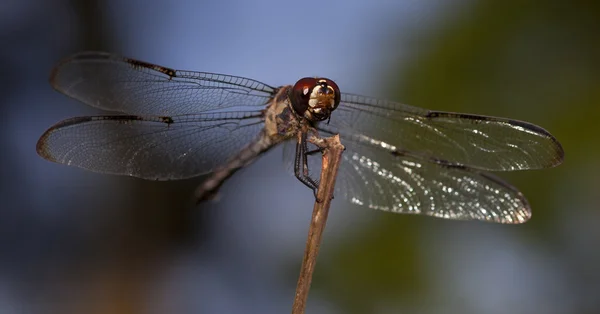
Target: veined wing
column 485, row 143
column 155, row 148
column 116, row 83
column 403, row 183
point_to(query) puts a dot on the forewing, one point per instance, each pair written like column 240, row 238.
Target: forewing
column 155, row 148
column 485, row 143
column 115, row 83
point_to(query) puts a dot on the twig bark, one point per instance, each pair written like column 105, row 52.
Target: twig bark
column 332, row 154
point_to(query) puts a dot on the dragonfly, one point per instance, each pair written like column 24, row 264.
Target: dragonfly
column 167, row 124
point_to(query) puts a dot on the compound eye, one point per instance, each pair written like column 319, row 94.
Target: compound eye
column 336, row 91
column 301, row 94
column 305, row 86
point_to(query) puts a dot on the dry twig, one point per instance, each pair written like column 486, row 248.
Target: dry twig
column 332, row 154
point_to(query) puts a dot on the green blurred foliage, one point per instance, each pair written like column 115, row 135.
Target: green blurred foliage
column 527, row 60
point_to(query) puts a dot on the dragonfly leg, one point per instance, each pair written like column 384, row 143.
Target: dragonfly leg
column 314, row 151
column 301, row 170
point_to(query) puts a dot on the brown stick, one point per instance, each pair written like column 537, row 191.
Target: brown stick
column 332, row 155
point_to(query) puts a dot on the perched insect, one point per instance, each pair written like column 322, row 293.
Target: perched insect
column 176, row 124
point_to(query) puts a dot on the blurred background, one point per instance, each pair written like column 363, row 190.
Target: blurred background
column 78, row 242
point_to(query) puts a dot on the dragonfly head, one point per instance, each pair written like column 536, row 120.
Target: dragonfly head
column 315, row 98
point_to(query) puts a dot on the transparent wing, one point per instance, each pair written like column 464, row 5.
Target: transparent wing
column 408, row 184
column 155, row 148
column 401, row 183
column 486, row 143
column 115, row 83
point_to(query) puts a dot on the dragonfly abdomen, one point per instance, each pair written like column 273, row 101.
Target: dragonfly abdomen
column 208, row 190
